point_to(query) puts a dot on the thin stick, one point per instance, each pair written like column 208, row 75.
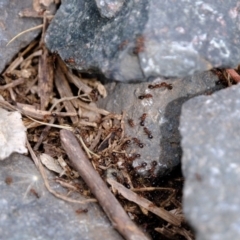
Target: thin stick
column 13, row 84
column 94, row 109
column 51, row 125
column 21, row 33
column 149, row 189
column 43, row 135
column 110, row 205
column 62, row 100
column 85, row 123
column 30, row 111
column 45, row 79
column 143, row 202
column 87, row 150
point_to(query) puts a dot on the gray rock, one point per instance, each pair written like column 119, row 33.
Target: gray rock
column 109, row 8
column 147, row 38
column 25, row 216
column 163, row 111
column 12, row 24
column 210, row 129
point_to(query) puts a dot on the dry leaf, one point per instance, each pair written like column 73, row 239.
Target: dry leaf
column 50, row 163
column 12, row 134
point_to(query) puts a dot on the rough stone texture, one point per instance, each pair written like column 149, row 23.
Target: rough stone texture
column 147, row 38
column 163, row 111
column 109, row 8
column 210, row 129
column 10, row 25
column 24, row 216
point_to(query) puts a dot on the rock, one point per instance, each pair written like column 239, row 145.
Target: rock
column 210, row 129
column 109, row 8
column 29, row 211
column 146, row 38
column 162, row 117
column 12, row 24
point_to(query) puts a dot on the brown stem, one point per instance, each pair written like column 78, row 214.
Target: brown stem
column 110, row 205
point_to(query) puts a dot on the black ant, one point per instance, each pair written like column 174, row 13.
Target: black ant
column 131, row 122
column 142, row 118
column 148, row 132
column 143, row 164
column 145, row 96
column 137, row 141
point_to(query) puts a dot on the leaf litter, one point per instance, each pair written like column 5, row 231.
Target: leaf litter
column 38, row 86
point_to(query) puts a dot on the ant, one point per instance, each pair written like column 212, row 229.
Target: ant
column 133, row 157
column 131, row 122
column 94, row 95
column 13, row 76
column 125, row 144
column 79, row 211
column 148, row 132
column 70, row 60
column 139, row 46
column 137, row 141
column 142, row 118
column 118, row 178
column 160, row 85
column 123, row 44
column 145, row 96
column 151, row 171
column 142, row 165
column 33, row 191
column 54, row 58
column 8, row 180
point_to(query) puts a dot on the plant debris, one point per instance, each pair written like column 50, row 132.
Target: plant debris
column 12, row 139
column 49, row 96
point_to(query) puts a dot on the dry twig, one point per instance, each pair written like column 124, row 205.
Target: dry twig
column 110, row 205
column 143, row 202
column 65, row 91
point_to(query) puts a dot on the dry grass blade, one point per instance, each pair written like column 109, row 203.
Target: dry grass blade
column 65, row 91
column 172, row 232
column 52, row 125
column 23, row 32
column 13, row 84
column 143, row 202
column 31, row 111
column 4, row 104
column 91, row 108
column 149, row 189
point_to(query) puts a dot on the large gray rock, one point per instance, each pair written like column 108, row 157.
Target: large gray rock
column 39, row 215
column 146, row 38
column 162, row 117
column 210, row 129
column 12, row 24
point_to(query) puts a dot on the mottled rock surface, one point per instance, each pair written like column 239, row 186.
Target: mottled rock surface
column 162, row 117
column 39, row 215
column 147, row 38
column 109, row 8
column 12, row 24
column 210, row 129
